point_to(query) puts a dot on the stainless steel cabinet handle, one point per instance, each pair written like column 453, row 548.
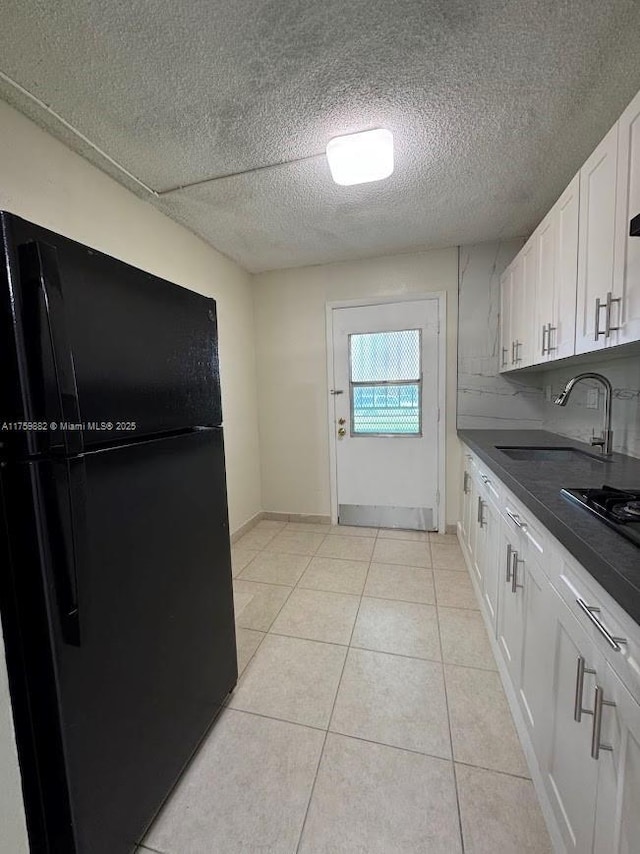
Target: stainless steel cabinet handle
column 544, row 336
column 509, row 551
column 596, row 330
column 591, row 611
column 551, row 329
column 480, row 512
column 504, row 357
column 515, row 519
column 514, row 572
column 518, row 357
column 513, row 351
column 465, row 484
column 598, row 703
column 608, row 328
column 578, row 710
column 484, row 478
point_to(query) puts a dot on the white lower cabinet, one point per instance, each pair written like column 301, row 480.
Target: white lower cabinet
column 581, row 721
column 536, row 653
column 569, row 772
column 510, row 610
column 491, row 569
column 617, row 817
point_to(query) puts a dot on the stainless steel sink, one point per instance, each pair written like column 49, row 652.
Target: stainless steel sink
column 534, row 454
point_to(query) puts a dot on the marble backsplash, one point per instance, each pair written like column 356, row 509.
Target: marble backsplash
column 578, row 421
column 487, row 400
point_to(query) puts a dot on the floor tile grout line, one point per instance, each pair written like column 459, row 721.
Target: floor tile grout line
column 333, row 706
column 281, row 720
column 411, row 750
column 446, row 701
column 494, row 770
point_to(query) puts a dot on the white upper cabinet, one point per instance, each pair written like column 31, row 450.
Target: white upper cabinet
column 529, row 286
column 626, row 277
column 517, row 294
column 575, row 286
column 545, row 293
column 505, row 321
column 555, row 305
column 561, row 339
column 598, row 306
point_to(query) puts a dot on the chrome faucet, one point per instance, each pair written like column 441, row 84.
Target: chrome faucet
column 606, row 439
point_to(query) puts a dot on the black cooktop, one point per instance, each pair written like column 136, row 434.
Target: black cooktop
column 619, row 508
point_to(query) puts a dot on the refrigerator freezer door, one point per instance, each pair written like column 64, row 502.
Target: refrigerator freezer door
column 97, row 342
column 137, row 593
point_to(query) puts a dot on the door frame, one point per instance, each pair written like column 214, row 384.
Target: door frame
column 362, row 302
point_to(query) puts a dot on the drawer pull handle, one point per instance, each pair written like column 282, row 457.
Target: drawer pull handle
column 591, row 611
column 578, row 710
column 509, row 552
column 596, row 744
column 515, row 519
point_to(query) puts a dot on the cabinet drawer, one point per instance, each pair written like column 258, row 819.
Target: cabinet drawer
column 489, row 485
column 522, row 522
column 604, row 624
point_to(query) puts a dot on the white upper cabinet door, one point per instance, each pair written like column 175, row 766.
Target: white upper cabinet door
column 618, row 806
column 555, row 305
column 516, row 312
column 545, row 291
column 561, row 338
column 525, row 328
column 597, row 313
column 505, row 321
column 626, row 280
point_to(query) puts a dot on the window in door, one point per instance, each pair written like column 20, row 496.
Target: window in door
column 386, row 383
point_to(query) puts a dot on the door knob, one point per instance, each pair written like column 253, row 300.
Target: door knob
column 342, row 432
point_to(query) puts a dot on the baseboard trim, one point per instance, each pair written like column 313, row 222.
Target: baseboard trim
column 516, row 712
column 248, row 525
column 309, row 518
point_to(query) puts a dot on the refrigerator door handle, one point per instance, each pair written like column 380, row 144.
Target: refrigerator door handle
column 67, row 537
column 39, row 261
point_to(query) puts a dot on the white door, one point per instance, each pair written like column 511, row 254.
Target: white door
column 385, row 393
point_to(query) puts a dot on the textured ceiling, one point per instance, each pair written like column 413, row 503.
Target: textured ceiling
column 494, row 105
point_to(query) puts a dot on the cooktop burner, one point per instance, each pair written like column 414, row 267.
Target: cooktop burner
column 620, row 509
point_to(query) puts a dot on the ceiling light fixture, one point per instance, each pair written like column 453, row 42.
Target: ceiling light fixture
column 361, row 157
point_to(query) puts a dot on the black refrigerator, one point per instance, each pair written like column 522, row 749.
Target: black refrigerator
column 115, row 575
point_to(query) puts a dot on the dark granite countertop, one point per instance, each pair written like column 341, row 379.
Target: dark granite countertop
column 611, row 559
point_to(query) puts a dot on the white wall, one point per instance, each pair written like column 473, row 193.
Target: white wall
column 42, row 180
column 292, row 367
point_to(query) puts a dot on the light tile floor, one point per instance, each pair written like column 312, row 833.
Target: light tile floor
column 368, row 717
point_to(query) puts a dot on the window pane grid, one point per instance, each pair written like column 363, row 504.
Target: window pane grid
column 386, row 383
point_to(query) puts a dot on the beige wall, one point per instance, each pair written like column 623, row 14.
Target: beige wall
column 292, row 367
column 42, row 180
